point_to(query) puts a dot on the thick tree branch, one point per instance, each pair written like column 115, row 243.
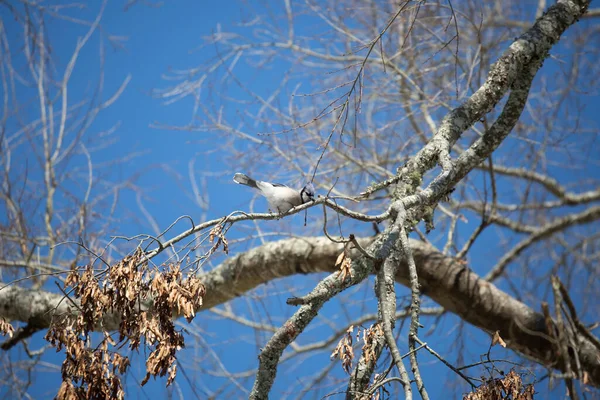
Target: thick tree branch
column 519, row 63
column 549, row 229
column 444, row 279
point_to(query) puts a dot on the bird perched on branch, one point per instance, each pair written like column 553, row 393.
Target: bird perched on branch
column 281, row 198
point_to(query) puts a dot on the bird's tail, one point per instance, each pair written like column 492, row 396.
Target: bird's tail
column 244, row 179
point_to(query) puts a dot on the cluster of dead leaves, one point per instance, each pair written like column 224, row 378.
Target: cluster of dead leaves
column 370, row 336
column 510, row 387
column 170, row 292
column 125, row 290
column 344, row 351
column 344, row 264
column 88, row 374
column 6, row 328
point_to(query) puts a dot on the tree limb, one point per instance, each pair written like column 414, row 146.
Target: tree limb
column 444, row 279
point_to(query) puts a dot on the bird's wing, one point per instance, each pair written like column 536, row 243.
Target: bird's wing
column 267, row 187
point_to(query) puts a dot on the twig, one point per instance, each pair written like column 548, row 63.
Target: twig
column 446, row 363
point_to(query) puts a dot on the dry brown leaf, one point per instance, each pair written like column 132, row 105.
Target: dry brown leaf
column 6, row 328
column 496, row 339
column 340, row 258
column 345, row 266
column 344, row 351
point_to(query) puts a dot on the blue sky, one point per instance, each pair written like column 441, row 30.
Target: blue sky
column 156, row 40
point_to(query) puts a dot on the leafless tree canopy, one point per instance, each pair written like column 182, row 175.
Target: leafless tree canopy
column 455, row 149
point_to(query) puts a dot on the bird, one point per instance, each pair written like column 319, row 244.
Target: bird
column 281, row 198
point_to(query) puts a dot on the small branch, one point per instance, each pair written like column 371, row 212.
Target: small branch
column 446, row 363
column 238, row 216
column 587, row 216
column 360, row 248
column 415, row 304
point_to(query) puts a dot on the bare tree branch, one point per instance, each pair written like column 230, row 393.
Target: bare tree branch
column 449, row 282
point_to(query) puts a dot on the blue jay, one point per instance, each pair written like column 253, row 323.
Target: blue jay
column 280, row 197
